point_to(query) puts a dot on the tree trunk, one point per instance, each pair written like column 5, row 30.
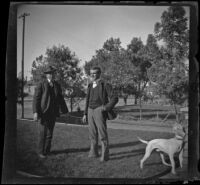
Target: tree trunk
column 176, row 112
column 157, row 116
column 140, row 109
column 125, row 100
column 140, row 101
column 71, row 104
column 135, row 100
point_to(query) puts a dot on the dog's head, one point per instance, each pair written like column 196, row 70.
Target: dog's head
column 179, row 130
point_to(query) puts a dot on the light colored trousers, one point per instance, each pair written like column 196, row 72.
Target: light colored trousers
column 97, row 126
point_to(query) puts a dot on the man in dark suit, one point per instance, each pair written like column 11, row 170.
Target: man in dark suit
column 47, row 102
column 100, row 101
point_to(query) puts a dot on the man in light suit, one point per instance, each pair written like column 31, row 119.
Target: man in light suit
column 100, row 101
column 47, row 102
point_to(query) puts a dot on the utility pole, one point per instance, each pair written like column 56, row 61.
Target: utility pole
column 22, row 90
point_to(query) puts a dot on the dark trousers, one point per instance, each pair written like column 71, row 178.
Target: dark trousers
column 46, row 127
column 97, row 127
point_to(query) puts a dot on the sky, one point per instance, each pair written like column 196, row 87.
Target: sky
column 82, row 28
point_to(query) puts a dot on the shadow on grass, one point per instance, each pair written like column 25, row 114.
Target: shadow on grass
column 155, row 163
column 120, row 145
column 86, row 149
column 138, row 110
column 70, row 150
column 176, row 160
column 167, row 171
column 131, row 153
column 127, row 152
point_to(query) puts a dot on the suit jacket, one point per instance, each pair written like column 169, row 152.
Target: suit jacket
column 41, row 99
column 108, row 98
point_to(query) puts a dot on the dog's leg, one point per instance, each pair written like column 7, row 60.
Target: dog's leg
column 171, row 157
column 163, row 160
column 147, row 154
column 181, row 158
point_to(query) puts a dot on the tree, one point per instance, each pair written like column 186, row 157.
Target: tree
column 75, row 93
column 169, row 73
column 38, row 67
column 137, row 54
column 152, row 50
column 103, row 57
column 116, row 67
column 112, row 45
column 120, row 70
column 68, row 73
column 19, row 88
column 173, row 30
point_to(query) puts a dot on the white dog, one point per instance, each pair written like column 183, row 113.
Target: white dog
column 168, row 146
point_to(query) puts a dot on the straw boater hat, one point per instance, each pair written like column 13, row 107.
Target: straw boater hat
column 49, row 70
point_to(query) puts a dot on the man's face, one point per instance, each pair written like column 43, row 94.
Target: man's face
column 50, row 76
column 94, row 75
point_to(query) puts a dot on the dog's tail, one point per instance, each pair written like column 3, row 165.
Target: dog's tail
column 143, row 141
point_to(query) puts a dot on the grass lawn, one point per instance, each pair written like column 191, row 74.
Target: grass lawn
column 70, row 148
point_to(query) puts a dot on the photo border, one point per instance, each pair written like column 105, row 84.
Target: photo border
column 8, row 169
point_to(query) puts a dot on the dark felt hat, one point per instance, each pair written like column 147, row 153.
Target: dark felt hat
column 49, row 70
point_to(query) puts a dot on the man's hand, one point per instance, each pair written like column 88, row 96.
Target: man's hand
column 35, row 116
column 103, row 108
column 84, row 119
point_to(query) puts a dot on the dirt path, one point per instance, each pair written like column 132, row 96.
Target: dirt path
column 139, row 125
column 154, row 128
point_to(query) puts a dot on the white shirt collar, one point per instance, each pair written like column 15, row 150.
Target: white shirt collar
column 50, row 81
column 96, row 82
